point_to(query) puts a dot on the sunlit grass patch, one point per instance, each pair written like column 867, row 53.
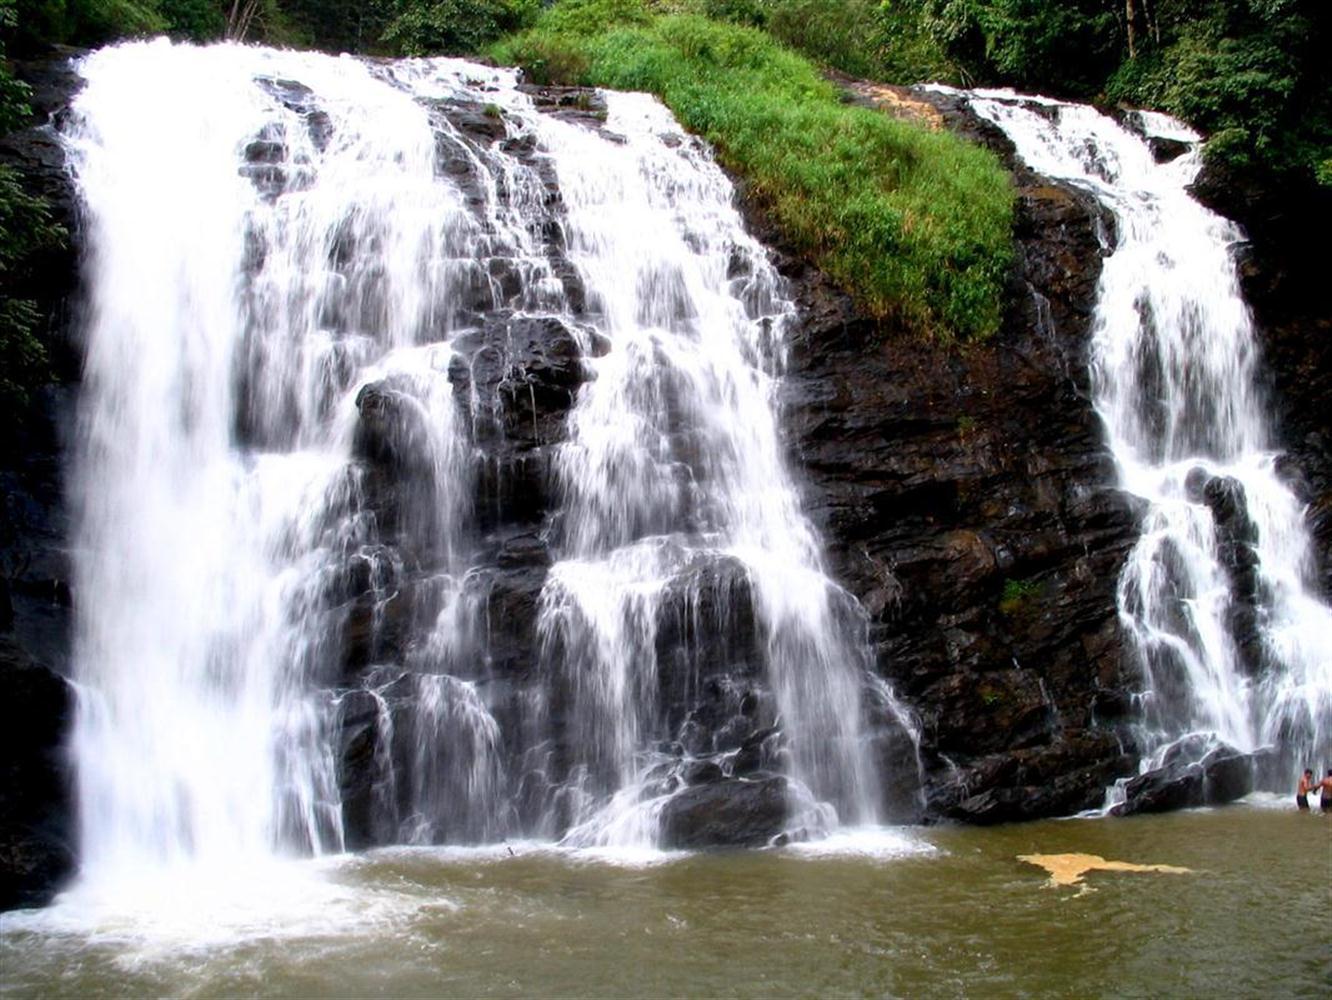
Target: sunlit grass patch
column 916, row 224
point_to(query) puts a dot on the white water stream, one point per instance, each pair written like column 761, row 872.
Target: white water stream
column 269, row 236
column 1218, row 595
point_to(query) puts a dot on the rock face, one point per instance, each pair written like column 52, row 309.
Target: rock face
column 36, row 807
column 1283, row 272
column 964, row 496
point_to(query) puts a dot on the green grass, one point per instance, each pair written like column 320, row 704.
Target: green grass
column 915, row 224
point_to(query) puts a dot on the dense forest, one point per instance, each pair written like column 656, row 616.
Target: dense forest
column 924, row 242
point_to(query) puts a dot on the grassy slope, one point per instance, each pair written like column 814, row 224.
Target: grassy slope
column 915, row 224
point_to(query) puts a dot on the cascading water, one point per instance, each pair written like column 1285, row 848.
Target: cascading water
column 310, row 294
column 674, row 470
column 1217, row 596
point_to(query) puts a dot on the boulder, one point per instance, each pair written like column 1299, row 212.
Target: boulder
column 1196, row 771
column 733, row 813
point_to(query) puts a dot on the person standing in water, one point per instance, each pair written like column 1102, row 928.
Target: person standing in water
column 1325, row 793
column 1307, row 785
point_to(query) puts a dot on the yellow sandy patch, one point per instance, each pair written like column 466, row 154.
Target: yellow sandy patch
column 1068, row 869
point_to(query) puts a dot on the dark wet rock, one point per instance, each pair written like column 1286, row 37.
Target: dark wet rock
column 702, row 772
column 36, row 703
column 297, row 97
column 521, row 374
column 376, row 627
column 1164, row 150
column 36, row 796
column 1067, row 776
column 1224, row 495
column 512, row 607
column 706, row 626
column 730, row 813
column 723, row 713
column 484, row 122
column 1227, row 775
column 758, row 752
column 391, row 428
column 997, row 710
column 1236, row 535
column 1196, row 771
column 358, row 735
column 581, row 105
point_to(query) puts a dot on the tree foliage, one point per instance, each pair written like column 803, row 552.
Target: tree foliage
column 1253, row 74
column 26, row 230
column 453, row 27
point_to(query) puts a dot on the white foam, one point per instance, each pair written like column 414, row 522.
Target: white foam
column 152, row 915
column 881, row 843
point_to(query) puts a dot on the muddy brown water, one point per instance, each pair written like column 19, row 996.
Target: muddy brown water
column 934, row 912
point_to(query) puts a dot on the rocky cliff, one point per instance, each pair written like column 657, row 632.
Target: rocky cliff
column 964, row 493
column 36, row 828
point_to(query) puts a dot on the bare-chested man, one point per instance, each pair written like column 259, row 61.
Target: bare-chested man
column 1307, row 785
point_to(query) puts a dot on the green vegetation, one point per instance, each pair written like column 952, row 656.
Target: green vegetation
column 396, row 27
column 26, row 230
column 1017, row 594
column 915, row 223
column 453, row 26
column 1253, row 74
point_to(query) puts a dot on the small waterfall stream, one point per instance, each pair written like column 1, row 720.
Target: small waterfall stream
column 368, row 343
column 1217, row 596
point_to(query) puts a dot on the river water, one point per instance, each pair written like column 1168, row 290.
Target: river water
column 937, row 912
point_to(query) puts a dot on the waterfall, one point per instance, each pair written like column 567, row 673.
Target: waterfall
column 1217, row 597
column 350, row 322
column 674, row 470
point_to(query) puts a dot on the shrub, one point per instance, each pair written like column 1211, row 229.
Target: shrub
column 455, row 27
